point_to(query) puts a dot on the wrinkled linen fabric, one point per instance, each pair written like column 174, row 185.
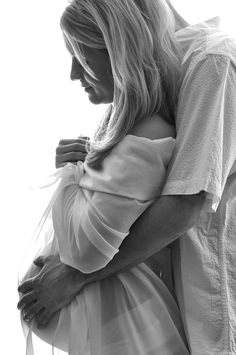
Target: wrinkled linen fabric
column 204, row 159
column 87, row 219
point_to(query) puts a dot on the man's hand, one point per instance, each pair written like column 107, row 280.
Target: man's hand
column 71, row 151
column 52, row 288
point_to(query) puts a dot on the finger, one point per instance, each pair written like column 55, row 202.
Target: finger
column 61, row 165
column 68, row 141
column 40, row 261
column 75, row 147
column 81, row 140
column 26, row 300
column 72, row 157
column 31, row 311
column 43, row 317
column 26, row 286
column 82, row 136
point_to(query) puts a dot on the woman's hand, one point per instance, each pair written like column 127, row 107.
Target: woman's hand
column 71, row 151
column 52, row 288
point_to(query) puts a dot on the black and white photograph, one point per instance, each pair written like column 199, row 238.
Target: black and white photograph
column 118, row 178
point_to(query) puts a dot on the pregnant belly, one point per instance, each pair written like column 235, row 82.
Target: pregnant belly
column 112, row 313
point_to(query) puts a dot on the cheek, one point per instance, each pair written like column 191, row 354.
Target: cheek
column 108, row 89
column 109, row 84
column 105, row 84
column 101, row 93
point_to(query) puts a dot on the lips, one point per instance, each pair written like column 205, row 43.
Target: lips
column 86, row 83
column 88, row 89
column 85, row 86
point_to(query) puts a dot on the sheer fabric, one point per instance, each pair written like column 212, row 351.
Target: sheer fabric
column 89, row 216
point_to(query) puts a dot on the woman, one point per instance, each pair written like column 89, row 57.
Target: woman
column 124, row 53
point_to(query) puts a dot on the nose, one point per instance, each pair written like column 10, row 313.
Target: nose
column 76, row 70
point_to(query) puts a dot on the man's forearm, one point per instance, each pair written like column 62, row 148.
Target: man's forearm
column 163, row 222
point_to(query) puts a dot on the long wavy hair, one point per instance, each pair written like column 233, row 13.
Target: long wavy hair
column 139, row 36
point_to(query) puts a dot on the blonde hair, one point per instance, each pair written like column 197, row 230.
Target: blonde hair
column 145, row 61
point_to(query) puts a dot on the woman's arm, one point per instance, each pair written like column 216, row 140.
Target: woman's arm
column 57, row 284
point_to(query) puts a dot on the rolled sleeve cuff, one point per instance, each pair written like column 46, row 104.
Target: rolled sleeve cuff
column 191, row 187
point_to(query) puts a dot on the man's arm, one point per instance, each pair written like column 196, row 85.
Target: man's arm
column 163, row 222
column 57, row 284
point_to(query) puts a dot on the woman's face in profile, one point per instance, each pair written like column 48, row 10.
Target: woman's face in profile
column 101, row 89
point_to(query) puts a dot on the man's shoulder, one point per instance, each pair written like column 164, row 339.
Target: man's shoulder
column 204, row 39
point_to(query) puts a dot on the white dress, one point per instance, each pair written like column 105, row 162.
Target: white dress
column 91, row 212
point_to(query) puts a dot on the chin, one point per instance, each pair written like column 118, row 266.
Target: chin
column 96, row 100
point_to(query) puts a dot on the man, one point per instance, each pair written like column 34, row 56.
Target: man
column 197, row 208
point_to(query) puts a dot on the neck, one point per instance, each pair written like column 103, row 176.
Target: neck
column 180, row 22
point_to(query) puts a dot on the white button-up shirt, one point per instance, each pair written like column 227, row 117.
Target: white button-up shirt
column 204, row 258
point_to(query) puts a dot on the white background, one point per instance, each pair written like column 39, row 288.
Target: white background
column 39, row 106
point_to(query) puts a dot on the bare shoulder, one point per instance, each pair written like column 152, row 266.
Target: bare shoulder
column 154, row 127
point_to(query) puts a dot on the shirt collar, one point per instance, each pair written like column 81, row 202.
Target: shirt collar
column 210, row 23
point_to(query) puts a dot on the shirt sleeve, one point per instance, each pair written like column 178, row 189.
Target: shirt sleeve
column 205, row 151
column 90, row 224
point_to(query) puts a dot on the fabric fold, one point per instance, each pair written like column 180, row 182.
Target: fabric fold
column 90, row 215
